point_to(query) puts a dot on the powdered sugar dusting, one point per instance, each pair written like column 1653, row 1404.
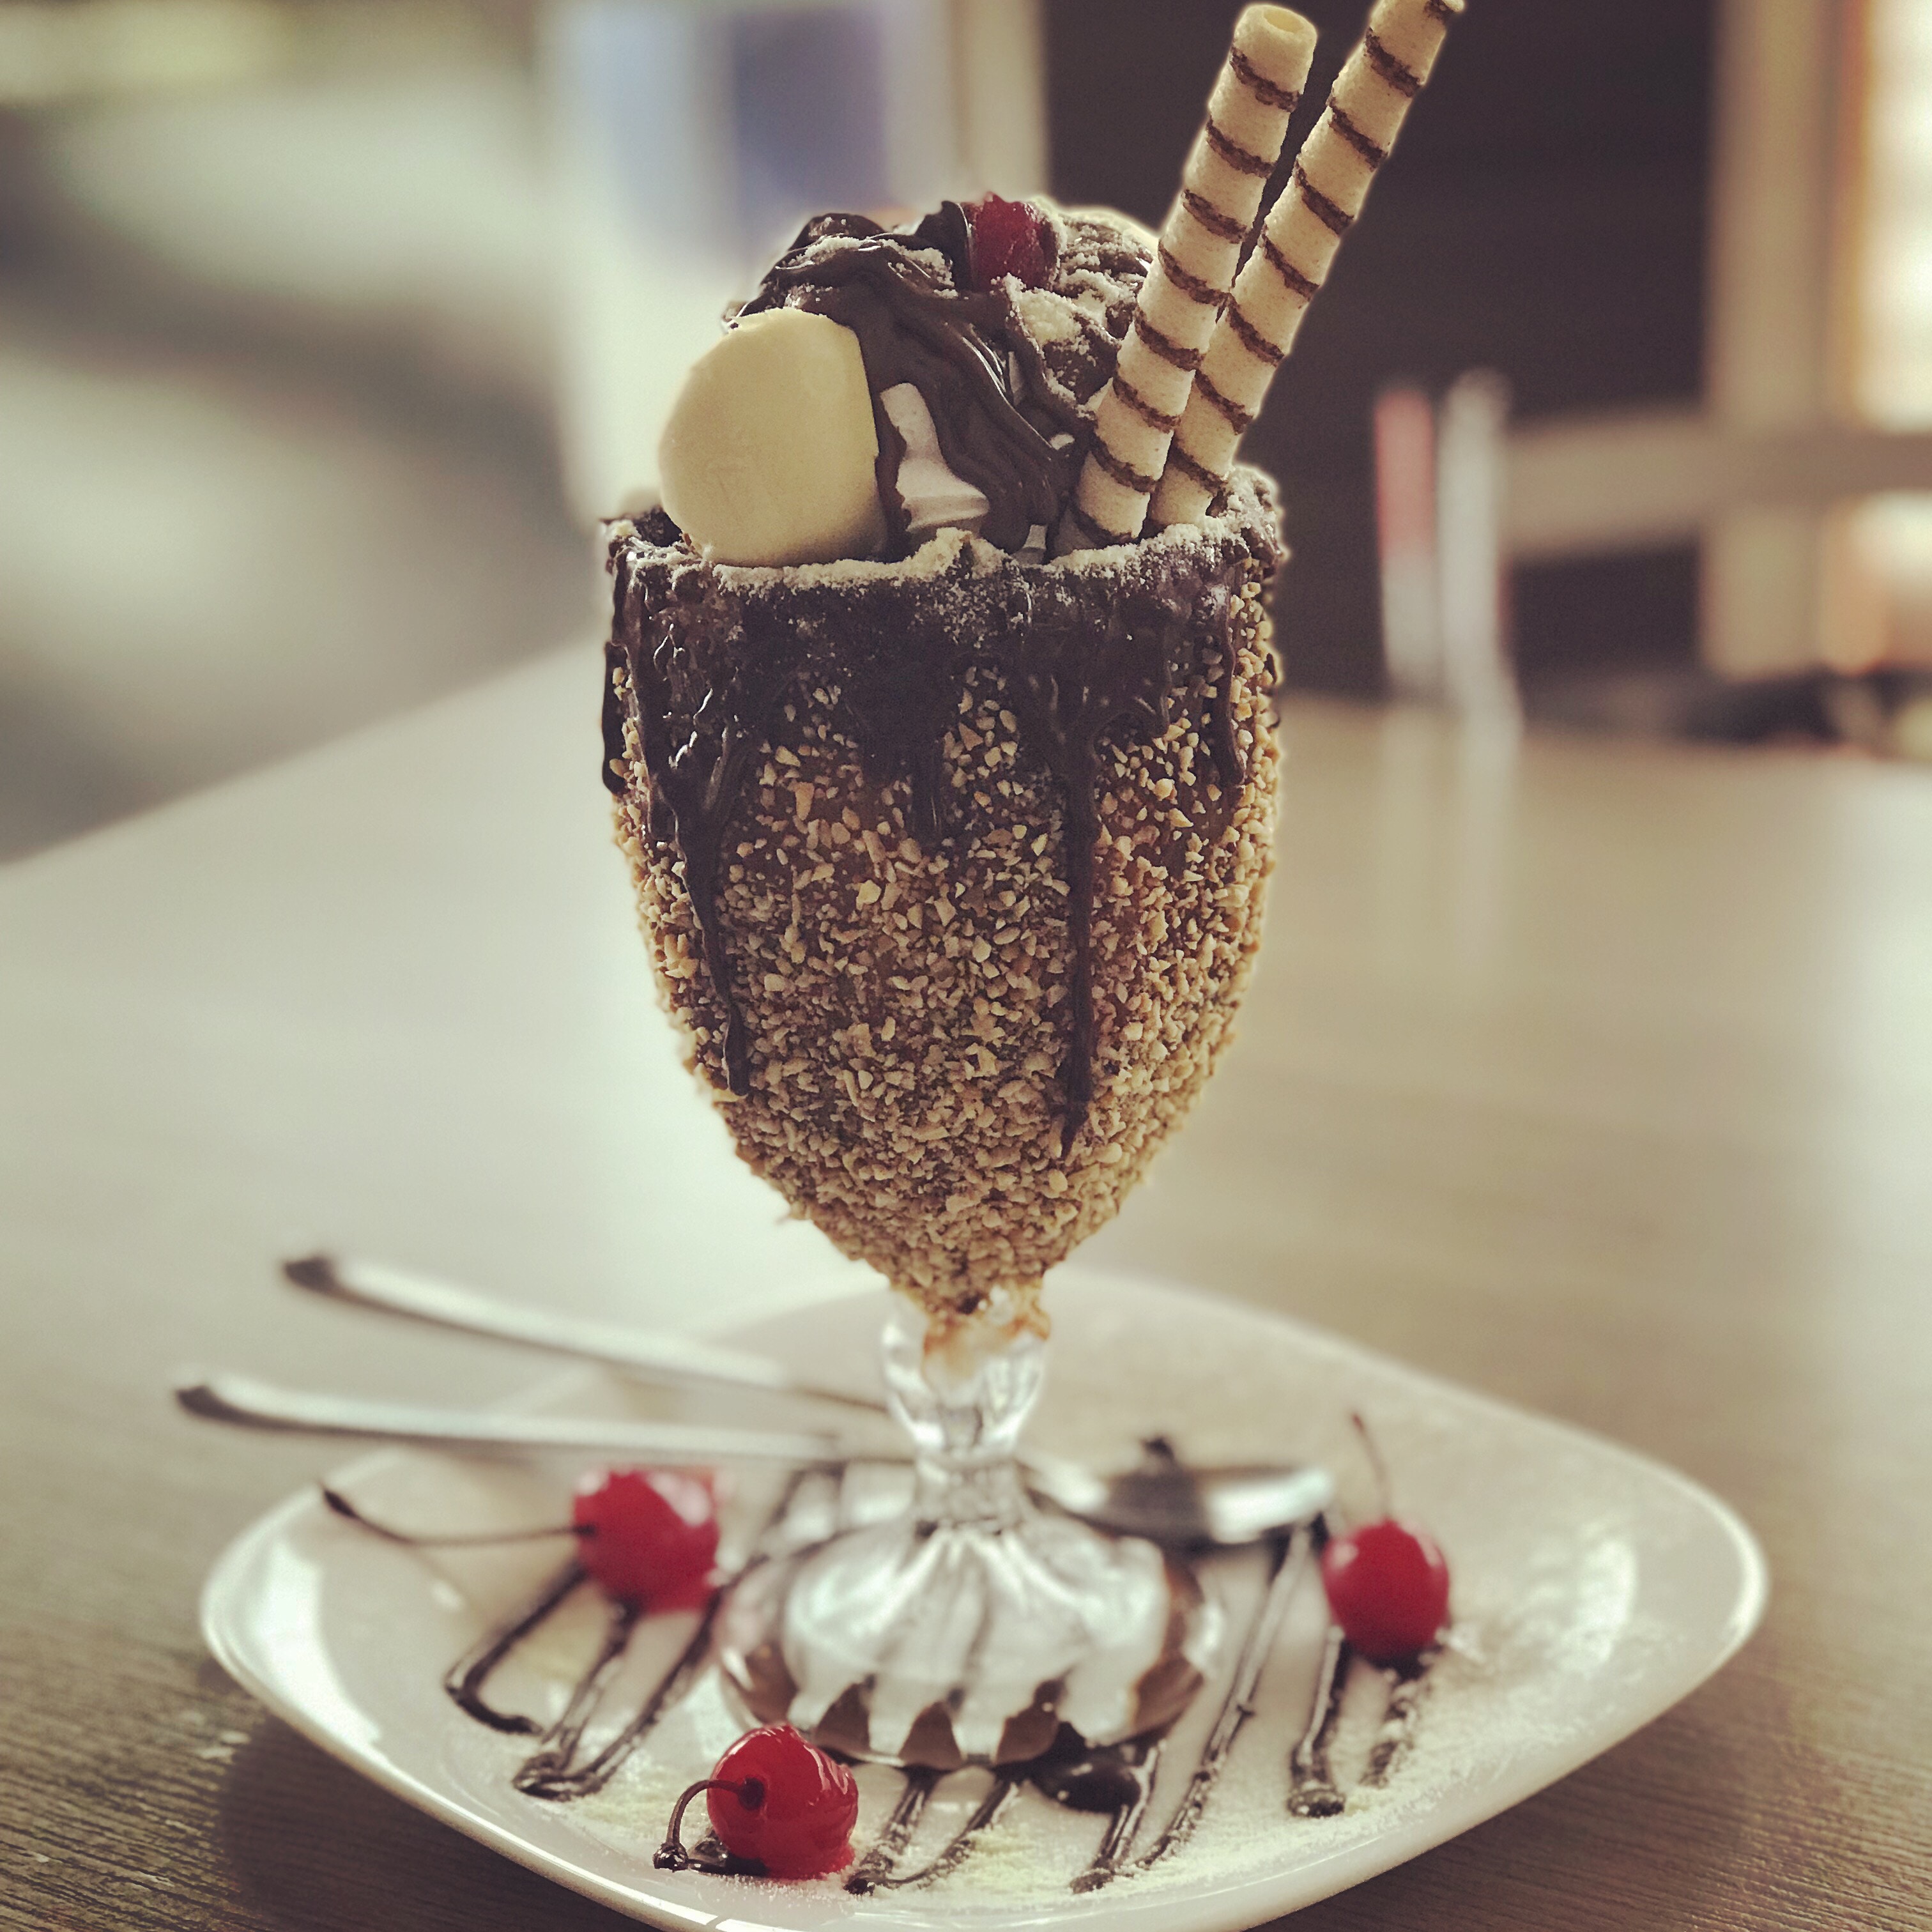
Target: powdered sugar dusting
column 950, row 552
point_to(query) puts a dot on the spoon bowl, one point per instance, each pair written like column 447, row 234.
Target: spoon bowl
column 1179, row 1507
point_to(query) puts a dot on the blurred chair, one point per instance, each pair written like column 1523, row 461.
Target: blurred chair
column 1822, row 147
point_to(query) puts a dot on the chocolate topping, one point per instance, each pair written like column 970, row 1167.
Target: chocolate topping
column 999, row 398
column 950, row 343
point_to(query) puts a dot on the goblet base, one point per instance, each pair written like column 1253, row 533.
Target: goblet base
column 935, row 1645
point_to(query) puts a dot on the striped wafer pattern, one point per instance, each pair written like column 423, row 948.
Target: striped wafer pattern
column 1297, row 246
column 1187, row 288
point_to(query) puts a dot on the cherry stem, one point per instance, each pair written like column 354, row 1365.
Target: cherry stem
column 344, row 1508
column 671, row 1854
column 1375, row 1462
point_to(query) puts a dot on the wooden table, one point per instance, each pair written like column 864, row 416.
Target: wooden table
column 1601, row 1079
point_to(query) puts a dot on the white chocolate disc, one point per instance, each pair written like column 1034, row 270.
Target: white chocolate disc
column 768, row 455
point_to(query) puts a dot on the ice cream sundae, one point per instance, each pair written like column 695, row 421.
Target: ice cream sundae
column 939, row 722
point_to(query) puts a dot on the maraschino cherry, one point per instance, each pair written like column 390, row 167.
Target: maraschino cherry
column 777, row 1803
column 1008, row 238
column 649, row 1537
column 1388, row 1583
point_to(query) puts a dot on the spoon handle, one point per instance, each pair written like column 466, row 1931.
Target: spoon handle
column 241, row 1401
column 674, row 1359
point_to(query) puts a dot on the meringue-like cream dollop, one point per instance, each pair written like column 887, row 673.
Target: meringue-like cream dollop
column 935, row 498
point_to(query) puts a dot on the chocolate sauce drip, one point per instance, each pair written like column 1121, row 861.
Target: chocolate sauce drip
column 951, row 343
column 1118, row 1780
column 1222, row 740
column 954, row 1852
column 1079, row 676
column 1088, row 657
column 1311, row 1792
column 1093, row 257
column 898, row 708
column 466, row 1678
column 616, row 753
column 1291, row 1555
column 550, row 1772
column 949, row 230
column 874, row 1869
column 541, row 1775
column 834, row 225
column 705, row 676
column 1409, row 1683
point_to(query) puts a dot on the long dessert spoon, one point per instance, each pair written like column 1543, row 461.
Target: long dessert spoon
column 247, row 1403
column 673, row 1359
column 1160, row 1498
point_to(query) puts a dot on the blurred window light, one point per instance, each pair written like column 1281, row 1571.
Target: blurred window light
column 277, row 300
column 375, row 206
column 53, row 54
column 1893, row 380
column 62, row 53
column 1878, row 557
column 1878, row 591
column 1439, row 491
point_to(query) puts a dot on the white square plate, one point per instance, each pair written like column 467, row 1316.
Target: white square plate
column 1591, row 1590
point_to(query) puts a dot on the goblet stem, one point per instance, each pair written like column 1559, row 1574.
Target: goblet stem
column 963, row 1395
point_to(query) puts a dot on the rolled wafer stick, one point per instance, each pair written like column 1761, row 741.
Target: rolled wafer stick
column 1297, row 244
column 1186, row 289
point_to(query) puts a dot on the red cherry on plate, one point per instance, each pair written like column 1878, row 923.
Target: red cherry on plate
column 650, row 1536
column 777, row 1800
column 1008, row 238
column 1388, row 1587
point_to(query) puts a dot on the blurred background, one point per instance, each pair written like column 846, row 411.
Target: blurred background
column 328, row 328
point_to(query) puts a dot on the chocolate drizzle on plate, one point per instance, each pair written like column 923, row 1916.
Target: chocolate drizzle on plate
column 552, row 1771
column 549, row 1766
column 874, row 1869
column 1312, row 1791
column 1115, row 1782
column 1408, row 1684
column 466, row 1678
